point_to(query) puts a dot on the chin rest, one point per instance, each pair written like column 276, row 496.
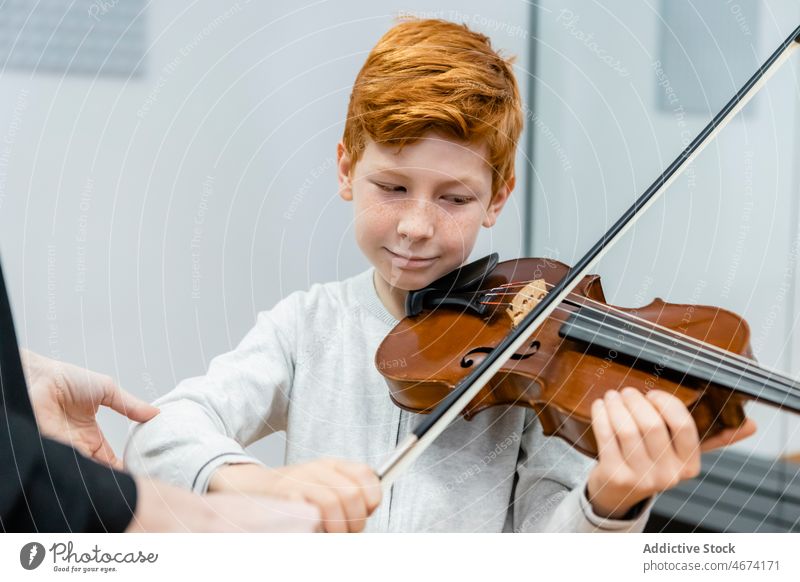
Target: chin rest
column 459, row 289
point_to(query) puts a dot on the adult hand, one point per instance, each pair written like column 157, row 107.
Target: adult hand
column 66, row 399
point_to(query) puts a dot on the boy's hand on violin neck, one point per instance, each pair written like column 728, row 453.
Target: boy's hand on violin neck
column 646, row 444
column 345, row 492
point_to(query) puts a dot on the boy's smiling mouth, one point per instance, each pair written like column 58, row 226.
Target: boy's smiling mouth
column 405, row 261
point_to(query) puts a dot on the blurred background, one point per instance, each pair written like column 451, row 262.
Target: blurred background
column 167, row 170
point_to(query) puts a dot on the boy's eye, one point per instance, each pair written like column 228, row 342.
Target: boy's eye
column 389, row 187
column 458, row 200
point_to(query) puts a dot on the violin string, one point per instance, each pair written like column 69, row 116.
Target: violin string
column 744, row 368
column 787, row 394
column 749, row 364
column 691, row 357
column 606, row 308
column 748, row 369
column 694, row 357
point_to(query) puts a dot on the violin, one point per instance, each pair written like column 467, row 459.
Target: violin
column 701, row 354
column 561, row 344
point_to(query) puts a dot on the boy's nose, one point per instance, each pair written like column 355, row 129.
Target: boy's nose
column 417, row 220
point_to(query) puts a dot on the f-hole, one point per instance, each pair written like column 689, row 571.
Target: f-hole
column 467, row 361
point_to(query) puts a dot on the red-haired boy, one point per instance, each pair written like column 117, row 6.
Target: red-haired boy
column 427, row 158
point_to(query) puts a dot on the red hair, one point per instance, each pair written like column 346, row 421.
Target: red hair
column 434, row 75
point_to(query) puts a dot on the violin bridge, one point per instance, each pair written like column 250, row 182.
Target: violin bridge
column 524, row 301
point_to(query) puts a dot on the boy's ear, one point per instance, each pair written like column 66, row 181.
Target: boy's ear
column 498, row 201
column 344, row 166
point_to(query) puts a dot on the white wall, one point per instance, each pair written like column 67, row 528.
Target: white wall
column 727, row 233
column 144, row 223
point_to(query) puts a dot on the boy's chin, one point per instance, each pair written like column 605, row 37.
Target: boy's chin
column 409, row 280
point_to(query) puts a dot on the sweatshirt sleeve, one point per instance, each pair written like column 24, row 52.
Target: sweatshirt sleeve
column 46, row 486
column 550, row 490
column 206, row 422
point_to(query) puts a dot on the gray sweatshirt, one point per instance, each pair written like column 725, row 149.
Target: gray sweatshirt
column 307, row 368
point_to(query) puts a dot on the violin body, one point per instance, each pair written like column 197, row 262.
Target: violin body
column 558, row 377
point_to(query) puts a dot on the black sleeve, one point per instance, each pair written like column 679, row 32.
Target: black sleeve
column 46, row 486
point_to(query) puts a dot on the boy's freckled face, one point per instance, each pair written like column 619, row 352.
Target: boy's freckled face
column 418, row 210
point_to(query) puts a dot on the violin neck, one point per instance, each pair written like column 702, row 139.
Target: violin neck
column 664, row 350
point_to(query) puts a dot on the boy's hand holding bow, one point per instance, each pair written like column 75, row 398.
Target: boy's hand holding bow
column 346, row 492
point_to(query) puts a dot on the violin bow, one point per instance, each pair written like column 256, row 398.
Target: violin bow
column 451, row 406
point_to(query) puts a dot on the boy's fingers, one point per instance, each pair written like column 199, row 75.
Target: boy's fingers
column 350, row 496
column 681, row 425
column 333, row 517
column 367, row 480
column 315, row 515
column 607, row 446
column 627, row 432
column 651, row 425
